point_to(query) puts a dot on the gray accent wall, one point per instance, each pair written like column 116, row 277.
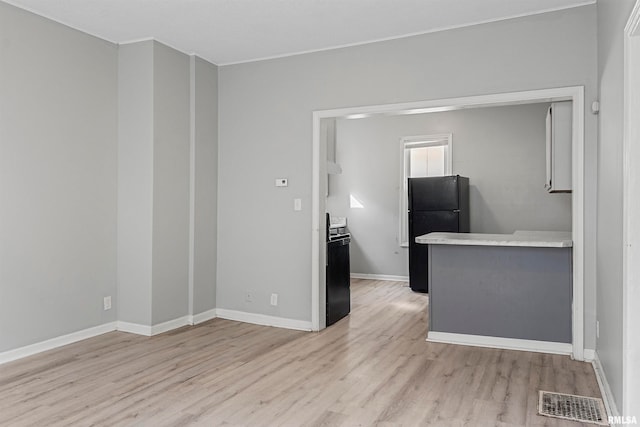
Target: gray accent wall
column 58, row 182
column 612, row 18
column 500, row 149
column 205, row 139
column 499, row 291
column 266, row 133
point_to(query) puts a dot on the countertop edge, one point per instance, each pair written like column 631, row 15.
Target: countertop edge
column 479, row 239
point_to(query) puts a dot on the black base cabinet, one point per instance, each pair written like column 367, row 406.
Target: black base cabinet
column 338, row 280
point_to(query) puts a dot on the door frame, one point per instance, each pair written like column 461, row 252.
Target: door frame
column 572, row 93
column 631, row 210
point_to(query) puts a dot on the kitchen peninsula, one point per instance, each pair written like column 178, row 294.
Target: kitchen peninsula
column 501, row 288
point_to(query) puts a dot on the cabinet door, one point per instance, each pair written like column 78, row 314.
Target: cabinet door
column 338, row 281
column 559, row 141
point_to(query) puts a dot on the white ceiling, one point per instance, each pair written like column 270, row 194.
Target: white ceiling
column 232, row 31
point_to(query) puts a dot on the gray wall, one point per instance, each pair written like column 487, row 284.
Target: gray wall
column 265, row 132
column 501, row 150
column 612, row 17
column 154, row 173
column 171, row 127
column 95, row 195
column 65, row 166
column 58, row 184
column 135, row 181
column 205, row 123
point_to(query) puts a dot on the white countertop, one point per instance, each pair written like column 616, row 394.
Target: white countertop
column 534, row 239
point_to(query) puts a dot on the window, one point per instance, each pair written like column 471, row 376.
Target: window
column 421, row 156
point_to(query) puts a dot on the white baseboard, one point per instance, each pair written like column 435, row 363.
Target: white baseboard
column 170, row 325
column 148, row 331
column 52, row 343
column 263, row 319
column 380, row 277
column 203, row 317
column 605, row 390
column 134, row 328
column 498, row 342
column 589, row 355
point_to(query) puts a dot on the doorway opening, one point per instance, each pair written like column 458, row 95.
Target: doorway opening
column 319, row 171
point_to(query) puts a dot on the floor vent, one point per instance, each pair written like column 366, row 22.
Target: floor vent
column 572, row 407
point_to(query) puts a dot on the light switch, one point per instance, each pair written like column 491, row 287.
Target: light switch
column 281, row 182
column 297, row 204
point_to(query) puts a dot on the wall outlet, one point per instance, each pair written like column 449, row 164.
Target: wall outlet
column 106, row 302
column 274, row 299
column 248, row 296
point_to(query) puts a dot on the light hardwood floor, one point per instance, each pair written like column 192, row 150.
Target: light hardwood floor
column 371, row 368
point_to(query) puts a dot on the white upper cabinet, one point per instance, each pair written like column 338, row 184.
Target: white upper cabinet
column 559, row 124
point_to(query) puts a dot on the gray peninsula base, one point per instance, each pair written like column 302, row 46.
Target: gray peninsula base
column 501, row 291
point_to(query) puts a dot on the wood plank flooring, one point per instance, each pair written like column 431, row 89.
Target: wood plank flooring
column 371, row 368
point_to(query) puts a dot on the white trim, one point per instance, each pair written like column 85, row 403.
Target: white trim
column 633, row 24
column 285, row 55
column 145, row 330
column 386, row 277
column 92, row 34
column 134, row 41
column 316, row 206
column 196, row 319
column 573, row 93
column 160, row 328
column 413, row 34
column 170, row 325
column 589, row 355
column 56, row 20
column 451, row 104
column 52, row 343
column 155, row 39
column 134, row 328
column 403, row 225
column 498, row 342
column 577, row 222
column 263, row 319
column 630, row 210
column 605, row 390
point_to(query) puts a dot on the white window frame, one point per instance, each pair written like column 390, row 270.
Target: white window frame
column 418, row 141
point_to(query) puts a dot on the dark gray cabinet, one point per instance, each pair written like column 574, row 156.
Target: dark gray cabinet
column 338, row 280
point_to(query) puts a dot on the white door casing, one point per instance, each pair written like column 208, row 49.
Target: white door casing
column 631, row 212
column 573, row 93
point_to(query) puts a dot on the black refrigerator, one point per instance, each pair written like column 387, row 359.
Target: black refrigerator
column 436, row 204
